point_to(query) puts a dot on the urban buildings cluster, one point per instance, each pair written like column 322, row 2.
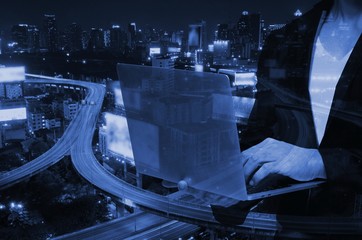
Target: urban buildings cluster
column 23, row 114
column 233, row 45
column 230, row 44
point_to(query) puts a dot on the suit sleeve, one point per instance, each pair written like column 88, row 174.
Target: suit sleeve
column 262, row 118
column 343, row 167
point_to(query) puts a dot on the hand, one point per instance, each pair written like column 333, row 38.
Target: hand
column 273, row 156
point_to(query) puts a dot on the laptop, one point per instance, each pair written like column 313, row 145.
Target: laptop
column 183, row 130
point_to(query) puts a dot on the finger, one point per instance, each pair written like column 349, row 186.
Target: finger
column 250, row 167
column 267, row 143
column 244, row 158
column 253, row 150
column 262, row 173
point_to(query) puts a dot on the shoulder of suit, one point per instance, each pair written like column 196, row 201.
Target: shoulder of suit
column 303, row 24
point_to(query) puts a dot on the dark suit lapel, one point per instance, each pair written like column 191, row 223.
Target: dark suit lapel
column 347, row 100
column 349, row 74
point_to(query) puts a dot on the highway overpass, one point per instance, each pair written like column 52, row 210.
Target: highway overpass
column 84, row 161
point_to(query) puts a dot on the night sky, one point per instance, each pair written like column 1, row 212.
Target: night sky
column 166, row 14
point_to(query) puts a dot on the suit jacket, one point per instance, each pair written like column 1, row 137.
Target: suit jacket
column 283, row 108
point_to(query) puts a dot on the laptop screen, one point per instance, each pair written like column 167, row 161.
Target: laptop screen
column 182, row 127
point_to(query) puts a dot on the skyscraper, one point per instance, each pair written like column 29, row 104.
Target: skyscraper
column 33, row 38
column 197, row 36
column 107, row 38
column 249, row 27
column 132, row 30
column 96, row 40
column 25, row 38
column 74, row 37
column 118, row 38
column 19, row 34
column 223, row 32
column 50, row 33
column 85, row 40
column 221, row 50
column 177, row 37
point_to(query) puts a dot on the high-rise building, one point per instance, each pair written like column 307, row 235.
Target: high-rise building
column 222, row 50
column 197, row 36
column 19, row 34
column 85, row 40
column 180, row 38
column 36, row 120
column 62, row 41
column 107, row 38
column 74, row 37
column 131, row 34
column 223, row 32
column 118, row 38
column 248, row 29
column 50, row 33
column 140, row 37
column 152, row 34
column 177, row 37
column 96, row 40
column 33, row 38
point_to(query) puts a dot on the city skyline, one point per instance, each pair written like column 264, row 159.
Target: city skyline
column 169, row 15
column 154, row 120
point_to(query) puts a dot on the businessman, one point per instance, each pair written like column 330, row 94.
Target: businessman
column 308, row 111
column 313, row 65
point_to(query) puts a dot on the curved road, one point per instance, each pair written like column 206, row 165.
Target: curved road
column 56, row 153
column 87, row 165
column 120, row 228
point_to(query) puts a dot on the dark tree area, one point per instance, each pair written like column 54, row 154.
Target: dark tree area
column 81, row 213
column 9, row 161
column 43, row 194
column 24, row 232
column 32, row 91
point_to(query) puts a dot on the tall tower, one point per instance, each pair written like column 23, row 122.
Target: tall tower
column 223, row 32
column 250, row 25
column 96, row 40
column 85, row 40
column 19, row 34
column 50, row 32
column 74, row 37
column 33, row 38
column 197, row 36
column 115, row 37
column 132, row 30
